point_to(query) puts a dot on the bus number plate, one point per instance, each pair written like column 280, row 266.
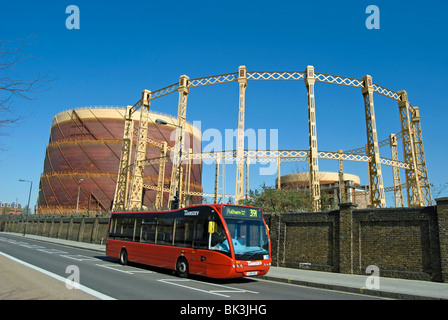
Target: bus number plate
column 251, row 273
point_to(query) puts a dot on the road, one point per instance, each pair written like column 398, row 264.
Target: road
column 102, row 277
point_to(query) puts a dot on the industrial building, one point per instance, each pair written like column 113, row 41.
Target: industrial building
column 10, row 208
column 349, row 191
column 83, row 154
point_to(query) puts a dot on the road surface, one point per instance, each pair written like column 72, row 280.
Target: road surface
column 33, row 269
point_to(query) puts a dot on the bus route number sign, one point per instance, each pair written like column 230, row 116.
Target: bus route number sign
column 241, row 212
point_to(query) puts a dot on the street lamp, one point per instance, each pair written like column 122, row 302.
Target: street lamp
column 175, row 202
column 77, row 200
column 31, row 187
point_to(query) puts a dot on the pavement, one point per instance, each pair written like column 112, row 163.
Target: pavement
column 19, row 282
column 383, row 287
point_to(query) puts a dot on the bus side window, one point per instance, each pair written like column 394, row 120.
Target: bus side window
column 137, row 229
column 127, row 229
column 165, row 231
column 200, row 239
column 180, row 232
column 111, row 227
column 119, row 228
column 149, row 231
column 189, row 232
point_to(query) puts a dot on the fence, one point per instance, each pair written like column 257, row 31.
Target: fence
column 86, row 229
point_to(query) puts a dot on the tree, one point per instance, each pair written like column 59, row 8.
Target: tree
column 437, row 191
column 26, row 210
column 11, row 55
column 273, row 200
column 278, row 200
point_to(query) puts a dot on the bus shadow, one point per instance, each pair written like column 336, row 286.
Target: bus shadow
column 138, row 265
column 106, row 259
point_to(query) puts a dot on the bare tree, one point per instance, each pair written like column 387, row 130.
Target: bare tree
column 11, row 55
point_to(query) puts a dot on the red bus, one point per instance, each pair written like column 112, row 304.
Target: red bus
column 218, row 241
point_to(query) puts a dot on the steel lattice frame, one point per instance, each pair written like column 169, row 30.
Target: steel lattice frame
column 415, row 197
column 398, row 193
column 242, row 81
column 417, row 182
column 183, row 90
column 121, row 190
column 313, row 163
column 140, row 154
column 420, row 157
column 377, row 196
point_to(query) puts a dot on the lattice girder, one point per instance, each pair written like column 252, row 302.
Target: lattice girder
column 136, row 193
column 414, row 194
column 121, row 189
column 377, row 196
column 414, row 159
column 242, row 81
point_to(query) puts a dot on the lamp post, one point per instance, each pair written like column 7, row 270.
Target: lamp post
column 77, row 199
column 31, row 187
column 175, row 202
column 29, row 197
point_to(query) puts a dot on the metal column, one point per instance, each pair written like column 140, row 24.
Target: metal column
column 242, row 81
column 183, row 90
column 247, row 177
column 186, row 198
column 414, row 193
column 279, row 177
column 342, row 191
column 138, row 170
column 398, row 192
column 121, row 190
column 313, row 158
column 217, row 160
column 420, row 158
column 161, row 178
column 377, row 197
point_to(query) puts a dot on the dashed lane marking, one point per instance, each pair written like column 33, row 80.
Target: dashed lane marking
column 215, row 289
column 52, row 251
column 124, row 269
column 79, row 257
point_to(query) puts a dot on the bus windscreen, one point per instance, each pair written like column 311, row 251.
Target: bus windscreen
column 248, row 232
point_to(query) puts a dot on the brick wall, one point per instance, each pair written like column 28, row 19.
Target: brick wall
column 410, row 243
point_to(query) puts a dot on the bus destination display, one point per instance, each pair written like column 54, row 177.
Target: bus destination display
column 241, row 212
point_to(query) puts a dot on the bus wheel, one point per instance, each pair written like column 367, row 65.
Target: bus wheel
column 123, row 257
column 182, row 267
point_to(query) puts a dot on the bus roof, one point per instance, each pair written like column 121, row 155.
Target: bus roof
column 216, row 206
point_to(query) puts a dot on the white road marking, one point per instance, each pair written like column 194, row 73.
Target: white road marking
column 79, row 257
column 31, row 246
column 52, row 251
column 176, row 282
column 124, row 269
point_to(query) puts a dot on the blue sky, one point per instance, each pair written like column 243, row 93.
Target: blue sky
column 122, row 48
